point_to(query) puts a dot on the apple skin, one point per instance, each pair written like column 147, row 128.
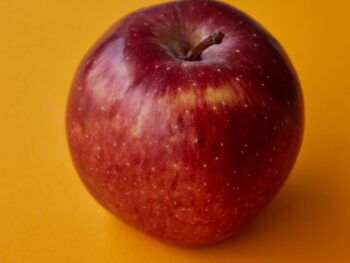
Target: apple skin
column 189, row 152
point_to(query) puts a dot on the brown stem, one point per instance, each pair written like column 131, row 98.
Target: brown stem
column 196, row 52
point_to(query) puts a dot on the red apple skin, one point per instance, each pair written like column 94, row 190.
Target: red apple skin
column 189, row 152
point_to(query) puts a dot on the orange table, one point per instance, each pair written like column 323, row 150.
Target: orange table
column 47, row 215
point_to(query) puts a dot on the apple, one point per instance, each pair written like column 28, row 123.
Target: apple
column 184, row 120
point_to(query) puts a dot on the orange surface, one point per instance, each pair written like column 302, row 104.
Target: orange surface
column 47, row 215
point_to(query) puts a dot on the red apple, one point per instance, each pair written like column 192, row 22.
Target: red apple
column 184, row 120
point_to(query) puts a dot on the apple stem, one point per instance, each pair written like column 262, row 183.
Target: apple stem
column 195, row 53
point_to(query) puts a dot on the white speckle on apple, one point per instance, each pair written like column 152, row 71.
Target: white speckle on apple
column 205, row 184
column 216, row 158
column 246, row 145
column 228, row 184
column 255, row 45
column 255, row 35
column 153, row 169
column 86, row 136
column 237, row 79
column 237, row 50
column 218, row 70
column 80, row 88
column 235, row 171
column 168, row 68
column 156, row 66
column 262, row 84
column 214, row 108
column 114, row 144
column 242, row 152
column 222, row 144
column 245, row 105
column 127, row 164
column 206, row 210
column 205, row 165
column 79, row 109
column 110, row 187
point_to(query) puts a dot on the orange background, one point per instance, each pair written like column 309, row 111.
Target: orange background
column 46, row 214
